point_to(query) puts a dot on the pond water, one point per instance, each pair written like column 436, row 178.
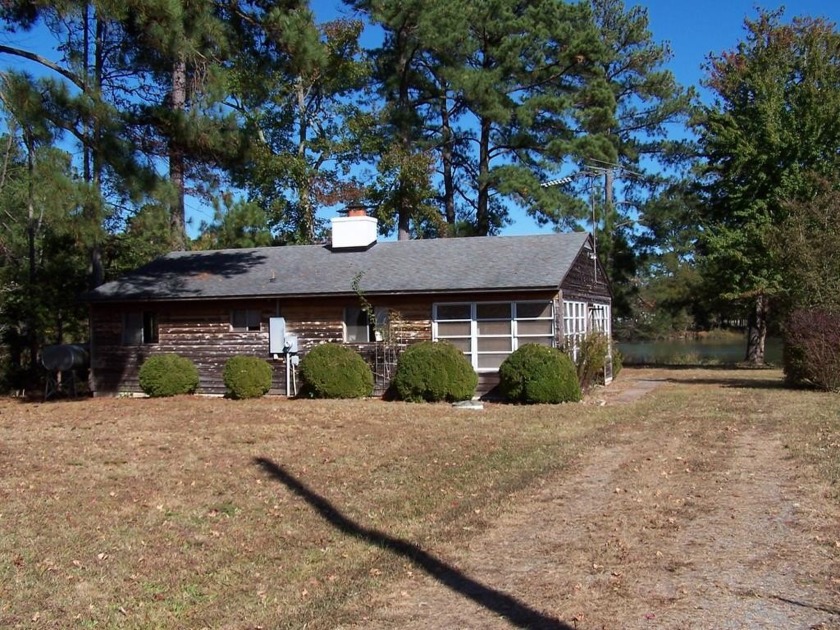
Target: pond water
column 690, row 351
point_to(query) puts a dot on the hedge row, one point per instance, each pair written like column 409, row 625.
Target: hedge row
column 430, row 371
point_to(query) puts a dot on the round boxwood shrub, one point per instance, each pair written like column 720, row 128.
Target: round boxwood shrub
column 434, row 371
column 335, row 371
column 247, row 377
column 539, row 374
column 168, row 375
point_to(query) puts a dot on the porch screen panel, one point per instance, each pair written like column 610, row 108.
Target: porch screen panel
column 574, row 326
column 454, row 323
column 601, row 319
column 487, row 332
column 534, row 323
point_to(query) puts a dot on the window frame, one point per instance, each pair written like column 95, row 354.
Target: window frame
column 488, row 360
column 575, row 325
column 381, row 316
column 252, row 318
column 140, row 328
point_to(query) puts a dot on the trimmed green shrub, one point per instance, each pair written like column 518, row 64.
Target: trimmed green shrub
column 247, row 377
column 335, row 371
column 591, row 359
column 434, row 371
column 168, row 375
column 539, row 374
column 812, row 349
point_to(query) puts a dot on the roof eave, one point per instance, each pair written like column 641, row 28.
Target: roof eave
column 274, row 296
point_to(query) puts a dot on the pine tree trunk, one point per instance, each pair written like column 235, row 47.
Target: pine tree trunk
column 177, row 218
column 757, row 331
column 446, row 161
column 482, row 210
column 32, row 228
column 306, row 228
column 92, row 131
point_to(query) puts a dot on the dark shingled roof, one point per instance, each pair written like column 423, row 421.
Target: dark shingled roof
column 422, row 266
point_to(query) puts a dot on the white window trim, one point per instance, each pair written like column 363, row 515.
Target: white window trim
column 515, row 337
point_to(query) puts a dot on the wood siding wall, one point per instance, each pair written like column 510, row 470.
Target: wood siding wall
column 584, row 284
column 201, row 331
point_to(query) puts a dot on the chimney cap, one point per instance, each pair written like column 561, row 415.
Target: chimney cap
column 355, row 210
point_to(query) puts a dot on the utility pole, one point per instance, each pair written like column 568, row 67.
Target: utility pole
column 592, row 173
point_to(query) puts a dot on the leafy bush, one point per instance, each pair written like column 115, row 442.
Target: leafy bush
column 168, row 375
column 434, row 371
column 617, row 361
column 812, row 349
column 539, row 374
column 592, row 357
column 247, row 377
column 335, row 371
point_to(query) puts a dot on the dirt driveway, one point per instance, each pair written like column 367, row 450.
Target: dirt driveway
column 710, row 527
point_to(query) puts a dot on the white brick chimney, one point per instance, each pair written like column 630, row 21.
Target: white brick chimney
column 354, row 231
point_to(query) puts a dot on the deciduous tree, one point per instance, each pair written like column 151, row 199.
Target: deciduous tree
column 773, row 126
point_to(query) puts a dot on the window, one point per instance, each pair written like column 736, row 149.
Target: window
column 580, row 318
column 574, row 326
column 242, row 320
column 359, row 329
column 139, row 328
column 600, row 318
column 357, row 326
column 487, row 332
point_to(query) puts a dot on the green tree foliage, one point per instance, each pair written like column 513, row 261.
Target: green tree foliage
column 42, row 263
column 648, row 101
column 180, row 51
column 300, row 120
column 669, row 298
column 772, row 127
column 236, row 224
column 495, row 95
column 808, row 242
column 394, row 137
column 84, row 90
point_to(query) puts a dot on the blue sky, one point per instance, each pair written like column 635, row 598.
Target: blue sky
column 695, row 29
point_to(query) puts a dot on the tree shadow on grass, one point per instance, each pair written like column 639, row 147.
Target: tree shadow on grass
column 729, row 376
column 734, row 383
column 515, row 611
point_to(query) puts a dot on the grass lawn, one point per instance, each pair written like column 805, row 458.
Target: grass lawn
column 198, row 512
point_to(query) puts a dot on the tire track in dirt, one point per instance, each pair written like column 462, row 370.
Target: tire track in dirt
column 703, row 529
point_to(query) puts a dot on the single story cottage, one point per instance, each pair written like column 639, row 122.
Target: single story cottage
column 486, row 295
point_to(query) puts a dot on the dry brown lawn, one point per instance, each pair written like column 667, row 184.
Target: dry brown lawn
column 197, row 512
